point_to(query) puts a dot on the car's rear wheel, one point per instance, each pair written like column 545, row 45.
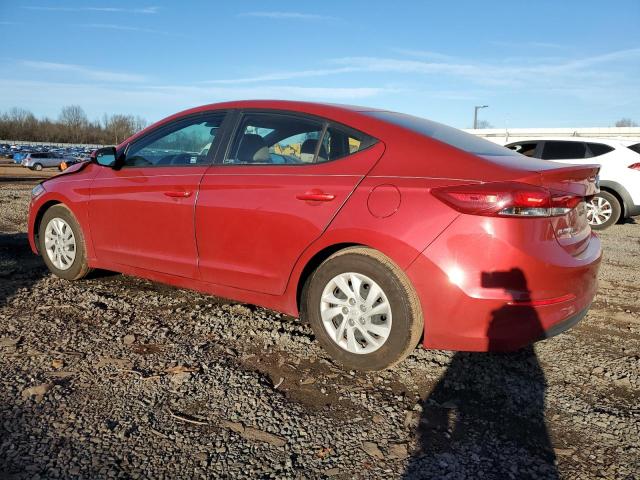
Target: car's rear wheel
column 363, row 309
column 603, row 210
column 37, row 166
column 62, row 244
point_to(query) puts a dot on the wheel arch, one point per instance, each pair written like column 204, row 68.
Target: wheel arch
column 621, row 194
column 314, row 262
column 38, row 219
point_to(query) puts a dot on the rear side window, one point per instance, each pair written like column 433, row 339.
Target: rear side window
column 443, row 133
column 287, row 139
column 635, row 148
column 598, row 149
column 527, row 149
column 269, row 139
column 557, row 150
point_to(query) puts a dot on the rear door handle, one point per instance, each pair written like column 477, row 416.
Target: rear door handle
column 178, row 194
column 316, row 197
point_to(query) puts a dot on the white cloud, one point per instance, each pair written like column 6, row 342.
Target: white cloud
column 285, row 75
column 287, row 16
column 124, row 28
column 155, row 102
column 84, row 72
column 144, row 10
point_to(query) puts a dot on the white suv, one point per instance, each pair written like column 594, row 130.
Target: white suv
column 619, row 161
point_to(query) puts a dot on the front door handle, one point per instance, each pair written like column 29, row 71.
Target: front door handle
column 316, row 196
column 178, row 194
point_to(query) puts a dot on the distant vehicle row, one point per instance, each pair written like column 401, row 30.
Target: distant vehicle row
column 37, row 157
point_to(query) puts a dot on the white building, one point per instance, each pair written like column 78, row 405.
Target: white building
column 508, row 135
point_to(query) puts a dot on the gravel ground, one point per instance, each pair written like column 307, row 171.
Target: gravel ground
column 117, row 377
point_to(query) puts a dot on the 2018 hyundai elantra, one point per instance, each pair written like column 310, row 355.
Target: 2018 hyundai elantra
column 379, row 228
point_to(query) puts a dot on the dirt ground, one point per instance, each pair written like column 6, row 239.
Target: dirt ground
column 117, row 377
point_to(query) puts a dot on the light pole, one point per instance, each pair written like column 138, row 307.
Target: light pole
column 475, row 114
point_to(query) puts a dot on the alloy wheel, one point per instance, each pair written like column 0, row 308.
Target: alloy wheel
column 356, row 313
column 599, row 211
column 60, row 243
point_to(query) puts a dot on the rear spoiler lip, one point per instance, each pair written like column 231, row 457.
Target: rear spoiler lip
column 585, row 175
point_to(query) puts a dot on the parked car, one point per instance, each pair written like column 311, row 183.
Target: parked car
column 18, row 156
column 619, row 195
column 396, row 228
column 40, row 160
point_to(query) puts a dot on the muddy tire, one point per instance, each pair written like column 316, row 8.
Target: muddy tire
column 363, row 309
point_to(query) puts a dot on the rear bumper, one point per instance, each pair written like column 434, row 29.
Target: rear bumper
column 565, row 325
column 497, row 285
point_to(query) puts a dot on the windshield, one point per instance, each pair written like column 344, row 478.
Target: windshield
column 443, row 133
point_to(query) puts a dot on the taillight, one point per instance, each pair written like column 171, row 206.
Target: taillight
column 635, row 166
column 509, row 199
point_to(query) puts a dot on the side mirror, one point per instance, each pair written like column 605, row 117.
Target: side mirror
column 105, row 156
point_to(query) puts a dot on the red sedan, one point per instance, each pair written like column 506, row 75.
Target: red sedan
column 378, row 228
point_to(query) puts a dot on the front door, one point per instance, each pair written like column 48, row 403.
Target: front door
column 141, row 214
column 282, row 181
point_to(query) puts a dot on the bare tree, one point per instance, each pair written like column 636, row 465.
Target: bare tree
column 74, row 118
column 72, row 126
column 484, row 124
column 626, row 122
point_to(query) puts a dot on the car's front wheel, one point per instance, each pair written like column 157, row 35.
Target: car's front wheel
column 363, row 309
column 603, row 210
column 61, row 244
column 37, row 167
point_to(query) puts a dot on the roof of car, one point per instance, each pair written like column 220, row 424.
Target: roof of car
column 327, row 110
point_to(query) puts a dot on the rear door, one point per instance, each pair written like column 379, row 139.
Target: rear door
column 565, row 151
column 277, row 187
column 141, row 214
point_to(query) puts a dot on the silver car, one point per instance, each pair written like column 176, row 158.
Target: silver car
column 40, row 160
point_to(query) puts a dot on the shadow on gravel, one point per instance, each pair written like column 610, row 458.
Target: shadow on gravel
column 485, row 416
column 19, row 267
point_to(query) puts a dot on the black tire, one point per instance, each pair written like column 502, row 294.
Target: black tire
column 37, row 167
column 79, row 267
column 616, row 210
column 407, row 321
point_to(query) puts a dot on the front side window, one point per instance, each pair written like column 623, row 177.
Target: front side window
column 186, row 142
column 558, row 150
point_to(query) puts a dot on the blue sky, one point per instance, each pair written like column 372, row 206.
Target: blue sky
column 536, row 64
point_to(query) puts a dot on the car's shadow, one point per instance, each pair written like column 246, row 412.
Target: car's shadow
column 485, row 417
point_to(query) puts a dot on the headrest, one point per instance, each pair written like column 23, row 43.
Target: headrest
column 308, row 150
column 253, row 149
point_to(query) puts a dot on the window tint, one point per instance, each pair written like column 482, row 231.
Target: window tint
column 185, row 143
column 278, row 139
column 528, row 149
column 598, row 149
column 557, row 150
column 635, row 148
column 443, row 133
column 338, row 143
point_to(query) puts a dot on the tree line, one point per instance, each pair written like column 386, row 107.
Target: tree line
column 71, row 126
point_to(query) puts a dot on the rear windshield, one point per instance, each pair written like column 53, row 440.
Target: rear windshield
column 635, row 148
column 443, row 133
